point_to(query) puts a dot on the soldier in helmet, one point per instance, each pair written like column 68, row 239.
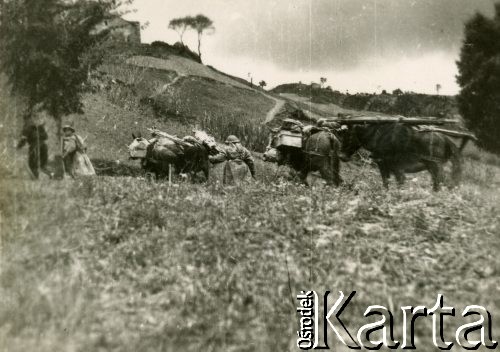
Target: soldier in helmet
column 238, row 160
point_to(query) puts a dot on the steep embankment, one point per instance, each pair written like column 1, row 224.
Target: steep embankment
column 185, row 68
column 179, row 87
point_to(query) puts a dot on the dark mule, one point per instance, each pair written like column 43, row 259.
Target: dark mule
column 398, row 149
column 156, row 156
column 319, row 153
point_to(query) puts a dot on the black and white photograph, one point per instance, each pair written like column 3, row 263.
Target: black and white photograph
column 249, row 175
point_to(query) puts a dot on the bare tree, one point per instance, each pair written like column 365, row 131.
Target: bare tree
column 181, row 25
column 201, row 24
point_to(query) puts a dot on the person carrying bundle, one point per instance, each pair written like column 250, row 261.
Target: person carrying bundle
column 76, row 161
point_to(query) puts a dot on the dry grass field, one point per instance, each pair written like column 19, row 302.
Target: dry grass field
column 116, row 263
column 120, row 264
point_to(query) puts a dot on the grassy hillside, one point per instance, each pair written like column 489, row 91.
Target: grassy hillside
column 176, row 87
column 180, row 92
column 402, row 103
column 115, row 263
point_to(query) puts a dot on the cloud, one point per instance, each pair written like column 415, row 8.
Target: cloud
column 409, row 74
column 347, row 33
column 297, row 36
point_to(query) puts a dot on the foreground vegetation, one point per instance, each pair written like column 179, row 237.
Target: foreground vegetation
column 116, row 263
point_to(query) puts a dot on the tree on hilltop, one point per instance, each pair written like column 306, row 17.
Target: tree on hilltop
column 202, row 24
column 181, row 25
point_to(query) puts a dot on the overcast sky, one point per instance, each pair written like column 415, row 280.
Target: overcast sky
column 358, row 45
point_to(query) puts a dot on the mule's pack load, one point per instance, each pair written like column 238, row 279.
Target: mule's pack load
column 356, row 120
column 465, row 136
column 451, row 133
column 420, row 124
column 292, row 136
column 288, row 135
column 138, row 153
column 199, row 137
column 164, row 138
column 306, row 149
column 165, row 153
column 293, row 133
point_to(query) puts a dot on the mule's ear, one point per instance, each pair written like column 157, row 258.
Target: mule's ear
column 133, row 135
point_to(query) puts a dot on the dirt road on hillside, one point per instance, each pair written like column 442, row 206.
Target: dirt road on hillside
column 277, row 107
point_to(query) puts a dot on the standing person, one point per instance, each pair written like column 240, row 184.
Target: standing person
column 35, row 135
column 76, row 161
column 239, row 162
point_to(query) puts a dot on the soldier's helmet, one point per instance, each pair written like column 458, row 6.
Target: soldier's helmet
column 232, row 139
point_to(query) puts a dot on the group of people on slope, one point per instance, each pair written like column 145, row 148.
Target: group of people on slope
column 75, row 160
column 239, row 164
